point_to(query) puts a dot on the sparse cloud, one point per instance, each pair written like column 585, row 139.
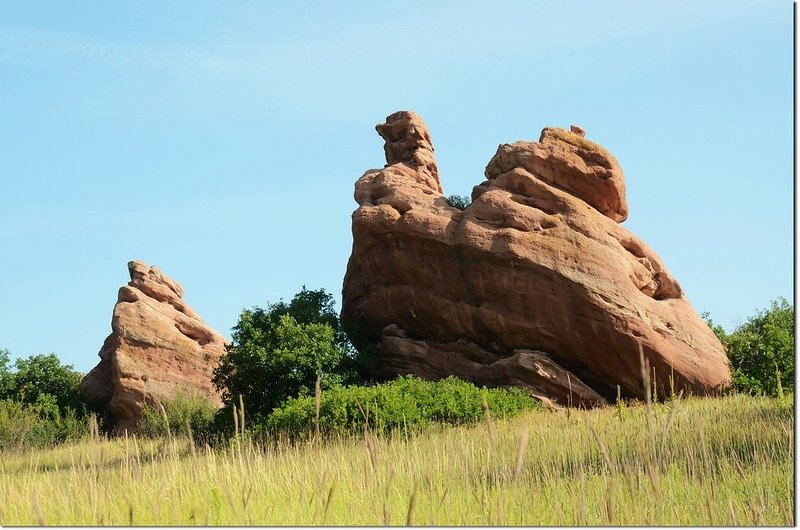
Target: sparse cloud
column 26, row 44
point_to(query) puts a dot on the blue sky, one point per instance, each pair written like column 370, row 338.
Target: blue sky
column 221, row 141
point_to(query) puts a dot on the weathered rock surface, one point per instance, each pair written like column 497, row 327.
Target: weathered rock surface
column 535, row 284
column 158, row 347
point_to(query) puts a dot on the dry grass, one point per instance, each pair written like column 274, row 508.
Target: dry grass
column 722, row 461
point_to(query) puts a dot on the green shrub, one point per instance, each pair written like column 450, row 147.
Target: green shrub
column 38, row 424
column 39, row 402
column 407, row 402
column 761, row 351
column 458, row 201
column 182, row 409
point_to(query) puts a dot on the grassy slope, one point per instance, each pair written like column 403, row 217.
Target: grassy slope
column 721, row 461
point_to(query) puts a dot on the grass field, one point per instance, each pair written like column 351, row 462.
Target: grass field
column 726, row 461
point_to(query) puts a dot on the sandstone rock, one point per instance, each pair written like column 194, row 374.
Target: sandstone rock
column 158, row 347
column 408, row 143
column 568, row 162
column 535, row 284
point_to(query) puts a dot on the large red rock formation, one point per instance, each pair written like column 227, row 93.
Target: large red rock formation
column 158, row 347
column 535, row 284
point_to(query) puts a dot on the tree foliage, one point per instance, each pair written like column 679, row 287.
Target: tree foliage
column 761, row 350
column 39, row 402
column 277, row 352
column 6, row 377
column 40, row 379
column 718, row 330
column 458, row 201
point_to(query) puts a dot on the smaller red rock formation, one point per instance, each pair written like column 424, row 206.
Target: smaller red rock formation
column 158, row 347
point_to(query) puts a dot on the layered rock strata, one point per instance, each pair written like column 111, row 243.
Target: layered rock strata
column 159, row 347
column 535, row 284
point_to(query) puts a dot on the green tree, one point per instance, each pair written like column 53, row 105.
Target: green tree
column 6, row 376
column 458, row 201
column 718, row 330
column 313, row 306
column 38, row 376
column 277, row 352
column 761, row 350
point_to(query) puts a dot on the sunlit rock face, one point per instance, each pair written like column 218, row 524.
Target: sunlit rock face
column 535, row 284
column 158, row 347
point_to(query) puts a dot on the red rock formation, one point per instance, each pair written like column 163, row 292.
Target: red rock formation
column 158, row 347
column 535, row 284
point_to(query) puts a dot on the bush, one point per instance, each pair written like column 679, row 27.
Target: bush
column 40, row 424
column 407, row 402
column 182, row 409
column 458, row 201
column 277, row 353
column 761, row 351
column 39, row 402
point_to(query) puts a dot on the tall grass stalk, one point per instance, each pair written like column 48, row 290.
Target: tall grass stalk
column 412, row 504
column 523, row 447
column 241, row 415
column 489, row 428
column 317, row 405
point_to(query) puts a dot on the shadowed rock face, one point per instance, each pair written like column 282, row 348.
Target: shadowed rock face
column 158, row 347
column 535, row 284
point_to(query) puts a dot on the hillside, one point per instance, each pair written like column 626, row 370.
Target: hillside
column 701, row 461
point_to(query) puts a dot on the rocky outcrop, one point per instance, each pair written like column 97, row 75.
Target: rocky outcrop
column 535, row 284
column 158, row 347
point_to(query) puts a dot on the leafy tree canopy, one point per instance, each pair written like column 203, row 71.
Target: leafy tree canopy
column 277, row 352
column 458, row 201
column 761, row 350
column 40, row 379
column 718, row 330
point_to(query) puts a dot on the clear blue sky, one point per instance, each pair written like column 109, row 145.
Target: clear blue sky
column 221, row 140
